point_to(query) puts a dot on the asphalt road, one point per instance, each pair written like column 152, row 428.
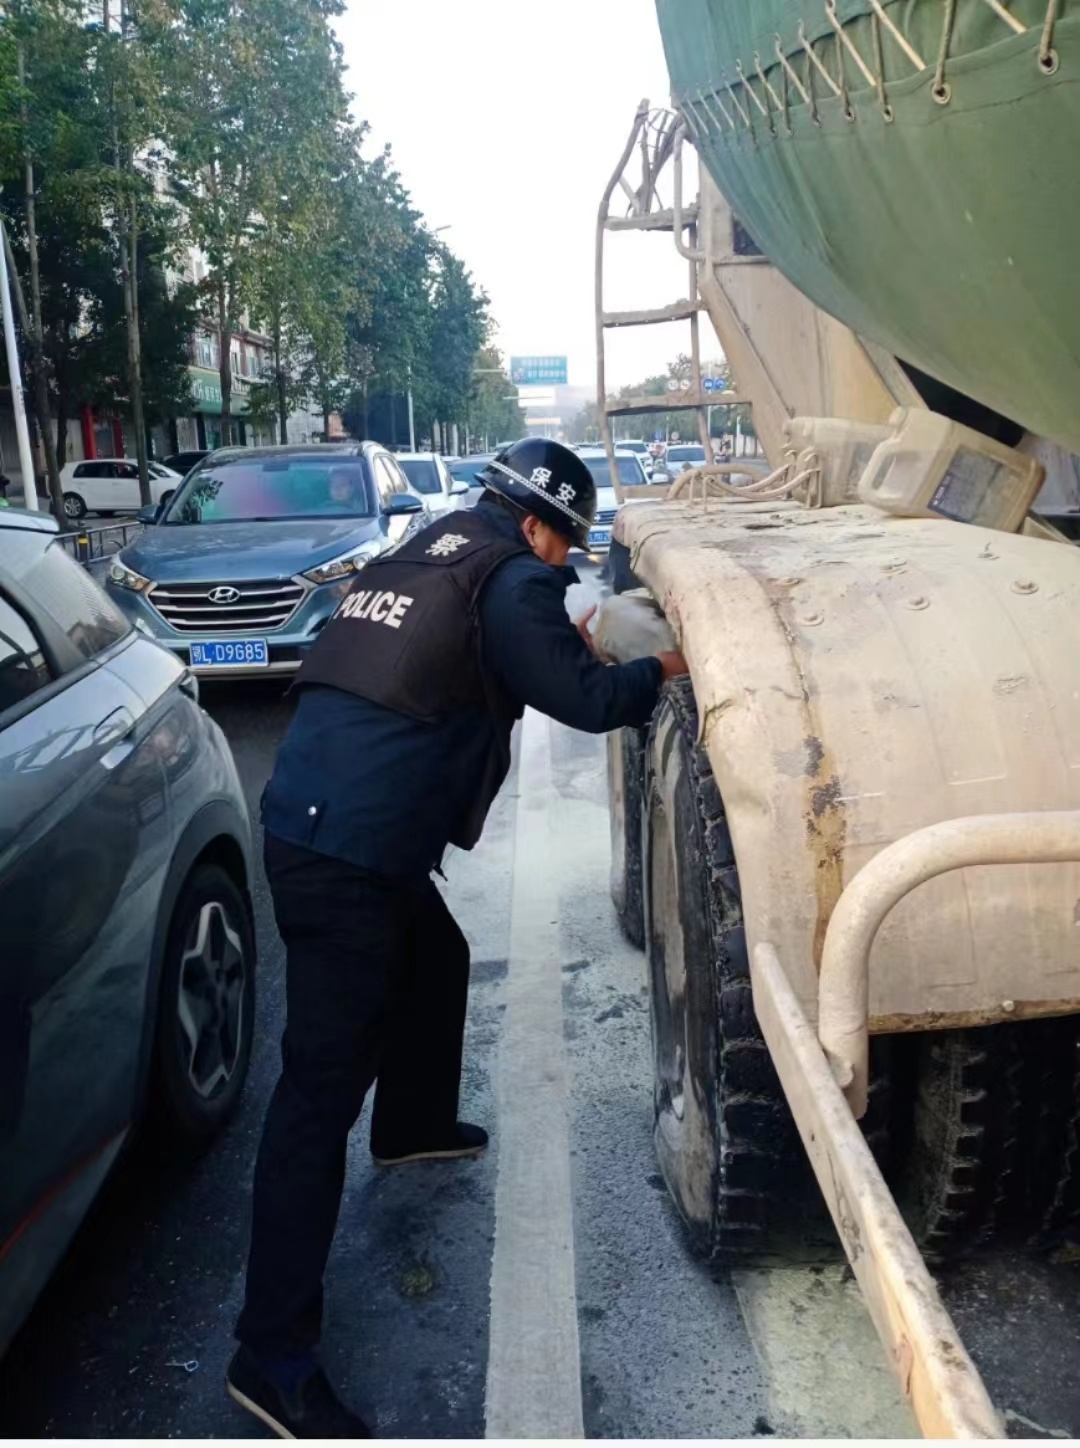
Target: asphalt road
column 429, row 1260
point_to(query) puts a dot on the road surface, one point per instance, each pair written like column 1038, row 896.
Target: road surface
column 544, row 1288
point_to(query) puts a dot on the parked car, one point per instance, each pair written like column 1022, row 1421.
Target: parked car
column 111, row 485
column 631, row 474
column 127, row 967
column 677, row 459
column 183, row 462
column 467, row 470
column 429, row 475
column 239, row 572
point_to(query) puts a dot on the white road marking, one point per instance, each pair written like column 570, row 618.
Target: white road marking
column 534, row 1370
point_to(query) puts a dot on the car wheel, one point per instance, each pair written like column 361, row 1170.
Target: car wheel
column 206, row 1006
column 74, row 507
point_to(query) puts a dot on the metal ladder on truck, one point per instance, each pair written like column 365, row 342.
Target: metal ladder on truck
column 654, row 141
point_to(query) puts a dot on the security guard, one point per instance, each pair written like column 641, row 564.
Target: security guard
column 399, row 744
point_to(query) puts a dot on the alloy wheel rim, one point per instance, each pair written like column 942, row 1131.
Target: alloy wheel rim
column 211, row 999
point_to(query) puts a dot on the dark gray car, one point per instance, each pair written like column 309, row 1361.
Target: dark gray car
column 127, row 951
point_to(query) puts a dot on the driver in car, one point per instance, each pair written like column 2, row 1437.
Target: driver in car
column 344, row 489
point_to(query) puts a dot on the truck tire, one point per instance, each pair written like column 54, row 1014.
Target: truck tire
column 725, row 1139
column 626, row 764
column 995, row 1135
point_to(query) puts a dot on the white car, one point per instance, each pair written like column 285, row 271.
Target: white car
column 677, row 459
column 631, row 475
column 111, row 485
column 429, row 475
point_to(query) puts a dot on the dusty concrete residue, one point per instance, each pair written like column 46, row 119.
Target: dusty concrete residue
column 1009, row 683
column 824, row 1367
column 826, row 821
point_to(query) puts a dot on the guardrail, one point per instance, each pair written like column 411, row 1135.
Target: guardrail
column 89, row 545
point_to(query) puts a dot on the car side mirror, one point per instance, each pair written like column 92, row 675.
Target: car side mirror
column 150, row 514
column 458, row 488
column 398, row 504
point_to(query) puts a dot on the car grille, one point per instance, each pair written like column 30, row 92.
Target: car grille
column 604, row 517
column 188, row 607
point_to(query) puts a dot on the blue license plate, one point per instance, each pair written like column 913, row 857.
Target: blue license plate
column 229, row 653
column 599, row 537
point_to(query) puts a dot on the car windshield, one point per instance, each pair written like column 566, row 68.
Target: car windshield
column 685, row 454
column 260, row 489
column 466, row 469
column 629, row 471
column 422, row 473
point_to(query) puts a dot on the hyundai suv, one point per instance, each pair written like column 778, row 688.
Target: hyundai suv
column 237, row 574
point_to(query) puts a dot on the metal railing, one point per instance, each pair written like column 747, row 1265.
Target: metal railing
column 89, row 545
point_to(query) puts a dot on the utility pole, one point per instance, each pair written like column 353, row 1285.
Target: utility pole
column 412, row 420
column 18, row 401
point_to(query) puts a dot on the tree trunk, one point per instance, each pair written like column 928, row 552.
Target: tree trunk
column 61, row 425
column 130, row 277
column 225, row 364
column 126, row 242
column 367, row 418
column 32, row 325
column 325, row 416
column 279, row 378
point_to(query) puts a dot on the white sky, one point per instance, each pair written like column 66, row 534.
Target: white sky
column 506, row 121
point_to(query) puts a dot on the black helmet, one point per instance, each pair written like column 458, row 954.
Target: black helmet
column 548, row 480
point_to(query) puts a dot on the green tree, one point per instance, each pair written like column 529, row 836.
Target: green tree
column 254, row 100
column 457, row 328
column 493, row 412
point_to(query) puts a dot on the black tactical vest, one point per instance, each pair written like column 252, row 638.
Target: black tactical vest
column 407, row 636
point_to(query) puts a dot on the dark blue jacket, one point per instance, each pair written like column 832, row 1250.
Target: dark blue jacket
column 362, row 783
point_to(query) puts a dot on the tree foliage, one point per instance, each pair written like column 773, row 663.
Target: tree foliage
column 156, row 126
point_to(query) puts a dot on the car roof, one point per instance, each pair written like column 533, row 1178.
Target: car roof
column 26, row 521
column 599, row 452
column 299, row 449
column 420, row 457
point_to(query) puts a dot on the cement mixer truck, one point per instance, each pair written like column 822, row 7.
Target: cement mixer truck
column 849, row 844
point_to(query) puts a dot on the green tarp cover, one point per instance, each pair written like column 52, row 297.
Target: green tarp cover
column 949, row 235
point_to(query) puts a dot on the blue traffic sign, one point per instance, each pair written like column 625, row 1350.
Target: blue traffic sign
column 715, row 384
column 536, row 371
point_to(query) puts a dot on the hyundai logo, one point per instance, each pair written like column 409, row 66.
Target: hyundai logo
column 225, row 594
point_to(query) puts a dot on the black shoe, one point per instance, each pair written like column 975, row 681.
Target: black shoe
column 465, row 1140
column 311, row 1411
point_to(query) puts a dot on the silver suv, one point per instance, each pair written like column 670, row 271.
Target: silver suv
column 127, row 951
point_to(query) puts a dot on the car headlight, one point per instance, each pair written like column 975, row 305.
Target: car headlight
column 343, row 566
column 125, row 577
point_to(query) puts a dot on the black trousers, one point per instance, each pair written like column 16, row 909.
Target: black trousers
column 376, row 981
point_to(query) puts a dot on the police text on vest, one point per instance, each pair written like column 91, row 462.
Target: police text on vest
column 387, row 608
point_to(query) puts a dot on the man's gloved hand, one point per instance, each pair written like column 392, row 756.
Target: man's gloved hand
column 671, row 660
column 582, row 627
